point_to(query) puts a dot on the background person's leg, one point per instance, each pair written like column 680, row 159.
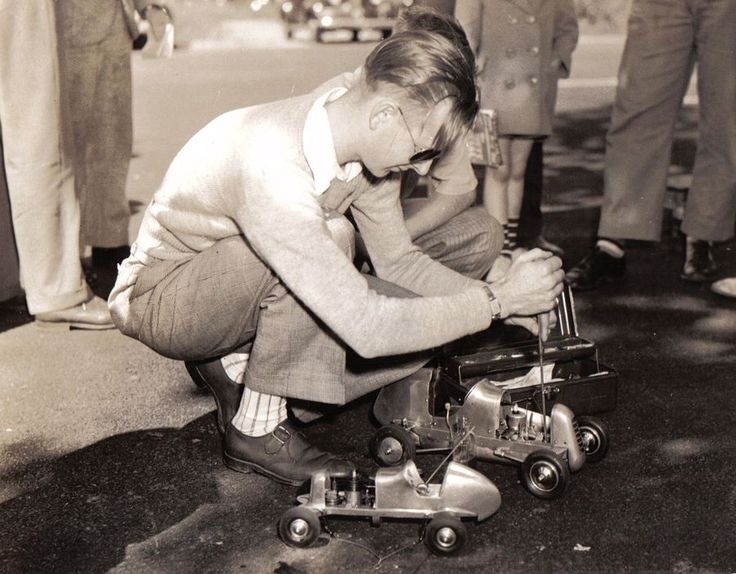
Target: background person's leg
column 95, row 48
column 40, row 180
column 654, row 74
column 711, row 200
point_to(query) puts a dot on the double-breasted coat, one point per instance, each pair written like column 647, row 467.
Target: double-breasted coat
column 523, row 48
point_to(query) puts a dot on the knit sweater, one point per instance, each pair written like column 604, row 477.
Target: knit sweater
column 269, row 173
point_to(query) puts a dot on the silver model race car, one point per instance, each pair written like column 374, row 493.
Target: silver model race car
column 396, row 492
column 419, row 415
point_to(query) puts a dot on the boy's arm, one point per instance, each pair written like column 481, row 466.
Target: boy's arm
column 284, row 223
column 453, row 190
column 378, row 214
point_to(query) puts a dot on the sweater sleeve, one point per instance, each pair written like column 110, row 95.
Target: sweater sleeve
column 284, row 223
column 396, row 259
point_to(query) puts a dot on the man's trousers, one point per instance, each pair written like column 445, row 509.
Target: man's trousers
column 665, row 39
column 40, row 181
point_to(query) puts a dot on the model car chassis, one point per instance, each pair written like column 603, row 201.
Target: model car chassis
column 421, row 414
column 397, row 492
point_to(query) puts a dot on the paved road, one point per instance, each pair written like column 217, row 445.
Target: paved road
column 110, row 460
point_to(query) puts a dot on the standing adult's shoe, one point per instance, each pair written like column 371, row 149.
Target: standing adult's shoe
column 700, row 266
column 211, row 374
column 283, row 455
column 91, row 315
column 595, row 270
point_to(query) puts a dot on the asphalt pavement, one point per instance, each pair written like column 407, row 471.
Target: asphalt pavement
column 111, row 461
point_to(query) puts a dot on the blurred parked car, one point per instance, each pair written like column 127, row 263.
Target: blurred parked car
column 346, row 20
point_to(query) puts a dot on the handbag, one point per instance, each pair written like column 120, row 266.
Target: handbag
column 152, row 28
column 136, row 24
column 482, row 140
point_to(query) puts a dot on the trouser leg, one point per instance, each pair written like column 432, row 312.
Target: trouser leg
column 468, row 243
column 40, row 181
column 98, row 85
column 711, row 202
column 653, row 76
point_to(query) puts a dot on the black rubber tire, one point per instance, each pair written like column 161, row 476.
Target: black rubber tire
column 594, row 433
column 445, row 535
column 299, row 527
column 544, row 474
column 392, row 445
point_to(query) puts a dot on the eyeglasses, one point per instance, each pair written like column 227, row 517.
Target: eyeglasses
column 419, row 156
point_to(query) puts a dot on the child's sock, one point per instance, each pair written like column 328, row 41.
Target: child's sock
column 510, row 235
column 259, row 413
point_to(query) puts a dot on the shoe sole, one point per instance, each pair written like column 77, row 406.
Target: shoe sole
column 245, row 466
column 697, row 278
column 69, row 326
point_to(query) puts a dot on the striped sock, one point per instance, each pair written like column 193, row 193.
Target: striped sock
column 511, row 234
column 235, row 365
column 259, row 413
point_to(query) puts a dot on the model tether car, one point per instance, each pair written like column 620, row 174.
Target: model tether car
column 396, row 492
column 423, row 414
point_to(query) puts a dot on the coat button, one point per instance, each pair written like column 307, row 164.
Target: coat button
column 533, row 80
column 510, row 52
column 534, row 50
column 513, row 19
column 531, row 19
column 510, row 84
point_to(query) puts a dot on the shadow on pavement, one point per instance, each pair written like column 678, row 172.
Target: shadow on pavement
column 87, row 506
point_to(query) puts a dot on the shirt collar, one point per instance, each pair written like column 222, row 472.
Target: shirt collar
column 319, row 147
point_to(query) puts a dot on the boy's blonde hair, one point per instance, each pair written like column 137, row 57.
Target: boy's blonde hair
column 429, row 65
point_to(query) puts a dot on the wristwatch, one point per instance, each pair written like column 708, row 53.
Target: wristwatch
column 495, row 305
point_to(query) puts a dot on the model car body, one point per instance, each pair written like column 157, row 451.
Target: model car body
column 422, row 413
column 396, row 492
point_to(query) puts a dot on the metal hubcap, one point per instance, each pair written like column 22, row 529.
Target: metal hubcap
column 544, row 476
column 591, row 441
column 299, row 529
column 446, row 537
column 391, row 450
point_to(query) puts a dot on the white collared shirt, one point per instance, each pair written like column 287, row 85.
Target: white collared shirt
column 319, row 147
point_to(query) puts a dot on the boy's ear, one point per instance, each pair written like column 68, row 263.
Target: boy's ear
column 382, row 112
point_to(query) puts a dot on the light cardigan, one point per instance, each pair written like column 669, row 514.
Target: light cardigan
column 252, row 172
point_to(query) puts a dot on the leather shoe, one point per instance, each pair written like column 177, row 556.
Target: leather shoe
column 283, row 455
column 699, row 265
column 90, row 315
column 596, row 269
column 210, row 374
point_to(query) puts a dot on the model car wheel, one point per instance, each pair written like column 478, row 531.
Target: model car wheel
column 392, row 445
column 445, row 535
column 544, row 474
column 299, row 527
column 594, row 434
